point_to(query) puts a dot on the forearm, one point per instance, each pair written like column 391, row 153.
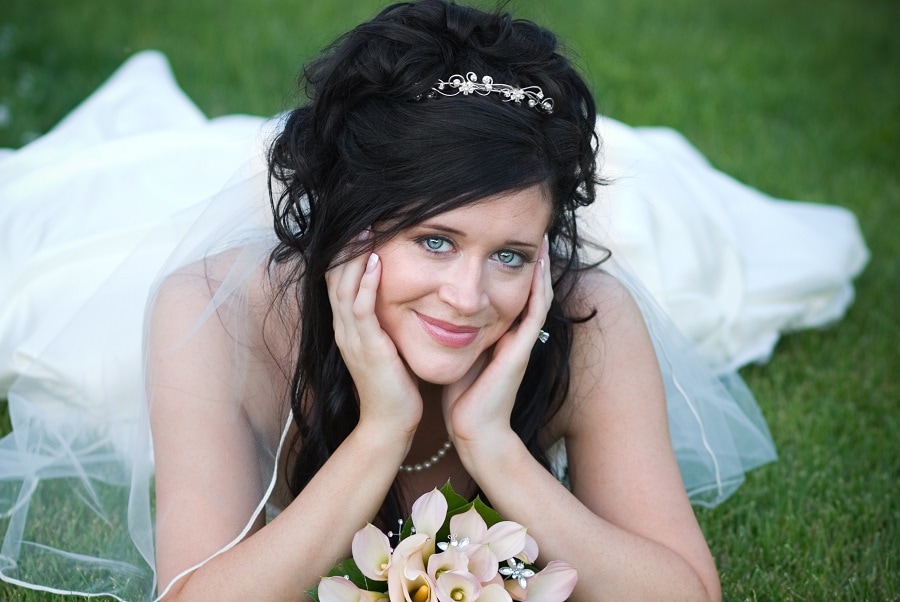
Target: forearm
column 288, row 556
column 612, row 563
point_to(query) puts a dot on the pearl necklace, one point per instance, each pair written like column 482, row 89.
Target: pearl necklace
column 440, row 453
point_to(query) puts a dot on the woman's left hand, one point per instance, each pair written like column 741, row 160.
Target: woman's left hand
column 477, row 408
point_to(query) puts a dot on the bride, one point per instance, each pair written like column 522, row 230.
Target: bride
column 430, row 299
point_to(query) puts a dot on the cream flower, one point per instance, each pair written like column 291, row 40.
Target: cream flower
column 429, row 512
column 457, row 586
column 407, row 579
column 468, row 526
column 506, row 539
column 553, row 584
column 530, row 553
column 443, row 562
column 372, row 552
column 494, row 592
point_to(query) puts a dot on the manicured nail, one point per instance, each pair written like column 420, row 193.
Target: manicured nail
column 371, row 263
column 364, row 235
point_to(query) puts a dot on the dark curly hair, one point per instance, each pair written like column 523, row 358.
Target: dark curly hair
column 371, row 147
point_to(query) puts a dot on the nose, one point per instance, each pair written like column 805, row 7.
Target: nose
column 464, row 287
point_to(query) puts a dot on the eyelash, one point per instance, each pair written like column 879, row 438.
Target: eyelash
column 422, row 241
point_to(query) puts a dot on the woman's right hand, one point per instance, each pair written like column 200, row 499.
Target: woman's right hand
column 388, row 395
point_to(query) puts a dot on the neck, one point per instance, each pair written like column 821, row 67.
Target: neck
column 431, row 395
column 432, row 431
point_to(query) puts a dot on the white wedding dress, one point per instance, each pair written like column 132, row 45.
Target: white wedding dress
column 137, row 181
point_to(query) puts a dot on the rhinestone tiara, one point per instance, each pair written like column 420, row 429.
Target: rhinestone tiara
column 456, row 84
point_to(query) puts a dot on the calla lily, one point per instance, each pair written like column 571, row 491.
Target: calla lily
column 340, row 589
column 530, row 553
column 372, row 552
column 407, row 579
column 429, row 512
column 506, row 539
column 468, row 526
column 410, row 554
column 458, row 586
column 494, row 592
column 482, row 562
column 412, row 587
column 553, row 584
column 451, row 560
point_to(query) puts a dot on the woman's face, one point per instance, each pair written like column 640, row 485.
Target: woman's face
column 454, row 284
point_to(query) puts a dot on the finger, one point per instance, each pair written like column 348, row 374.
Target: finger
column 342, row 283
column 364, row 304
column 348, row 276
column 540, row 298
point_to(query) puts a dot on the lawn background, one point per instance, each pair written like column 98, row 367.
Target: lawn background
column 799, row 98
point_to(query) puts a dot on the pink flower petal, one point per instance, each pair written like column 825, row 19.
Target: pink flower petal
column 457, row 586
column 553, row 584
column 451, row 560
column 506, row 539
column 494, row 592
column 429, row 512
column 469, row 525
column 530, row 552
column 410, row 554
column 407, row 571
column 402, row 589
column 338, row 589
column 482, row 563
column 372, row 552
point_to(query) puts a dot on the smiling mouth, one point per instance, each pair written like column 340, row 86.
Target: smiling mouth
column 447, row 334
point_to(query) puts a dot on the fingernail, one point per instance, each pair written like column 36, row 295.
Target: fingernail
column 364, row 235
column 371, row 263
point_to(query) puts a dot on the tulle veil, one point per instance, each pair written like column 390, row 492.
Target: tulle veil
column 76, row 472
column 75, row 458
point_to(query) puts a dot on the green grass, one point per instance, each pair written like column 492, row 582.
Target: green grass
column 800, row 99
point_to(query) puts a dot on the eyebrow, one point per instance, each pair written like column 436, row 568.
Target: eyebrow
column 451, row 230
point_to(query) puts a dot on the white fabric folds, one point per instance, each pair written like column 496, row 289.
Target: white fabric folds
column 136, row 183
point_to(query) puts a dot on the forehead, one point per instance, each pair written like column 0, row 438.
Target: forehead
column 528, row 208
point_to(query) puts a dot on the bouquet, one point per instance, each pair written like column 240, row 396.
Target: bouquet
column 449, row 550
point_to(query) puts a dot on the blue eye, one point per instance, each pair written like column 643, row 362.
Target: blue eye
column 436, row 244
column 510, row 259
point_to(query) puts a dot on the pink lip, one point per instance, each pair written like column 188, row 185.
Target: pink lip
column 447, row 334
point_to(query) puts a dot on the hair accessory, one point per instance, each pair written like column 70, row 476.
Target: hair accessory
column 543, row 336
column 440, row 453
column 457, row 84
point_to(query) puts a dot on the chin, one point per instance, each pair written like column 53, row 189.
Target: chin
column 439, row 372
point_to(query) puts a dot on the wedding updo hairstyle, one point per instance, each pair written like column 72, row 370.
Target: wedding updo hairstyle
column 376, row 147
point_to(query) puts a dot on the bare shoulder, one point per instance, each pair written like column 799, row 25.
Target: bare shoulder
column 617, row 329
column 613, row 360
column 202, row 320
column 600, row 292
column 193, row 288
column 218, row 296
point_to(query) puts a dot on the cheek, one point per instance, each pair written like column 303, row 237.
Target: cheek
column 400, row 282
column 512, row 298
